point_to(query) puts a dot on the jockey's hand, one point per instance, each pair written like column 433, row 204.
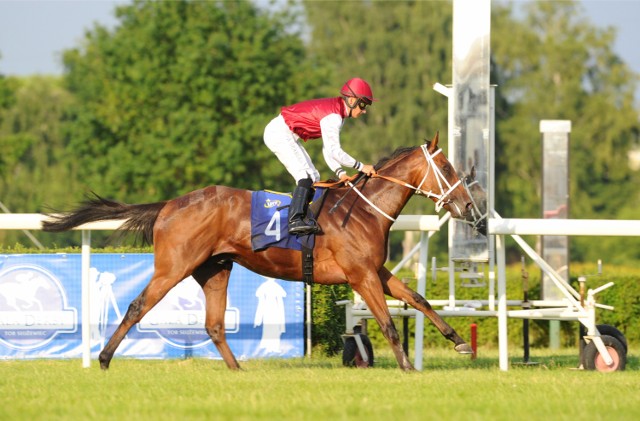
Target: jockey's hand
column 368, row 170
column 344, row 177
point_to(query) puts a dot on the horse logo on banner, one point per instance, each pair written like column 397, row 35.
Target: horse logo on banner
column 33, row 308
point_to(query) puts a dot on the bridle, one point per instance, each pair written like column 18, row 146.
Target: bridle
column 478, row 217
column 442, row 184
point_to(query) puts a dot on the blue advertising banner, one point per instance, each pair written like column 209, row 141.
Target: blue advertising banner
column 40, row 310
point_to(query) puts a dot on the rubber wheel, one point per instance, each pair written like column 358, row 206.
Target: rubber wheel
column 351, row 356
column 594, row 361
column 612, row 331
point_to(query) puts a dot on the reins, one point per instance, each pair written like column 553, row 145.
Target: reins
column 353, row 181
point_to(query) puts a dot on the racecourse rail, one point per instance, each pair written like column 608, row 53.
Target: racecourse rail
column 428, row 225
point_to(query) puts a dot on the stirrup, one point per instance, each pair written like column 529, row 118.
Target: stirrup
column 302, row 227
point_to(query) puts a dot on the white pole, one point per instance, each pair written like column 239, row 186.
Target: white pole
column 86, row 284
column 308, row 320
column 502, row 304
column 422, row 287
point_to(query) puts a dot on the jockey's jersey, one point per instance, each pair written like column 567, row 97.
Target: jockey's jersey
column 304, row 117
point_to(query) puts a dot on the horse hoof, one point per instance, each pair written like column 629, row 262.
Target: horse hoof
column 104, row 362
column 463, row 349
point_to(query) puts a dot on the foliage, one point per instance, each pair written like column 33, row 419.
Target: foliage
column 328, row 318
column 402, row 49
column 624, row 296
column 177, row 96
column 562, row 67
column 35, row 171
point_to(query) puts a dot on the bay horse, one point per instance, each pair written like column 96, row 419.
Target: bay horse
column 203, row 232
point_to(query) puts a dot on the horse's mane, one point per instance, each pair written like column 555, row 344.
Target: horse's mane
column 401, row 151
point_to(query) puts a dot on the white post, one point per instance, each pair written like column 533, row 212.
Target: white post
column 502, row 304
column 308, row 306
column 86, row 301
column 422, row 287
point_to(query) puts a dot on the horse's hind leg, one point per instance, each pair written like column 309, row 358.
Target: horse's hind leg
column 394, row 287
column 213, row 277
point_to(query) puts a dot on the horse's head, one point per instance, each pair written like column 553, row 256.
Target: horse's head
column 479, row 201
column 441, row 183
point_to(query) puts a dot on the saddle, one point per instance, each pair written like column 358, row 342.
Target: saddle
column 270, row 226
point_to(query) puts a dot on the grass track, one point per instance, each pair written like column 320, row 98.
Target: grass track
column 450, row 387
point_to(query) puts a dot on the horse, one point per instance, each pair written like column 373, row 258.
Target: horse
column 203, row 232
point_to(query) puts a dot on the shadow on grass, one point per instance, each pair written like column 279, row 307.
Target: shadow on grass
column 433, row 360
column 447, row 360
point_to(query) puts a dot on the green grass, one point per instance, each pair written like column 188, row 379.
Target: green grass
column 450, row 387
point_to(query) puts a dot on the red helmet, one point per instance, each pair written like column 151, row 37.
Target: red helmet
column 358, row 88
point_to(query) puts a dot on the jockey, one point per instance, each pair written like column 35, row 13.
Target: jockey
column 313, row 119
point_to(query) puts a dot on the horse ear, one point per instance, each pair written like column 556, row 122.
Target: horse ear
column 473, row 172
column 433, row 145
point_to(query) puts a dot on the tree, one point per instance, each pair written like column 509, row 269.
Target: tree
column 34, row 170
column 402, row 49
column 177, row 97
column 562, row 67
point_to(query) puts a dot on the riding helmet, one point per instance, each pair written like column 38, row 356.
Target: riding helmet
column 358, row 88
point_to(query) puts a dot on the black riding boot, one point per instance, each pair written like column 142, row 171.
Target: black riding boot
column 299, row 223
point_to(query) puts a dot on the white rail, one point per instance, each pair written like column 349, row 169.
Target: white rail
column 33, row 221
column 515, row 227
column 590, row 227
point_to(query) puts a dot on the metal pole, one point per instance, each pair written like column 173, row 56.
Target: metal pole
column 502, row 303
column 422, row 287
column 525, row 306
column 86, row 300
column 308, row 307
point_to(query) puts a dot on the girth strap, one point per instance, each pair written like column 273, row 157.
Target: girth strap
column 307, row 265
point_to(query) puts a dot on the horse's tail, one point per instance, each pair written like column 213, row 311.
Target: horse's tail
column 138, row 217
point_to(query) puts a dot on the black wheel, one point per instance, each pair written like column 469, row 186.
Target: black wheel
column 594, row 361
column 605, row 330
column 351, row 356
column 612, row 331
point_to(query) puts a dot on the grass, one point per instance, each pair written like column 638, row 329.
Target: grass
column 450, row 386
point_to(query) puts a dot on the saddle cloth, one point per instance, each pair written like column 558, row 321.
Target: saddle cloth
column 270, row 222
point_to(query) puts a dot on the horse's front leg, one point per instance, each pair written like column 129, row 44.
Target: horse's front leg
column 394, row 287
column 213, row 277
column 370, row 289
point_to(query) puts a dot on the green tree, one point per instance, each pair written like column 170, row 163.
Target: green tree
column 177, row 96
column 563, row 67
column 34, row 170
column 10, row 150
column 402, row 49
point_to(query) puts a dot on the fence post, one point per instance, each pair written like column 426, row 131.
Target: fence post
column 86, row 301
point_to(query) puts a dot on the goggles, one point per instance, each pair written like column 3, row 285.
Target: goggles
column 362, row 104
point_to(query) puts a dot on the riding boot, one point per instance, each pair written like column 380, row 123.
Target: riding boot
column 299, row 223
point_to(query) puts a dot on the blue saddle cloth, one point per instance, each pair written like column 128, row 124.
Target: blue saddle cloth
column 270, row 222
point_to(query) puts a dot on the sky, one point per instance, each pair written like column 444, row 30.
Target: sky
column 33, row 33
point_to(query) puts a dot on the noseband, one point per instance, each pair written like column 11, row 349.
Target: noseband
column 478, row 217
column 442, row 183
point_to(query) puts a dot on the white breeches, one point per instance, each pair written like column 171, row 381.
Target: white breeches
column 289, row 150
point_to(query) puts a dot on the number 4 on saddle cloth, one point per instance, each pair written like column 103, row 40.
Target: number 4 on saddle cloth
column 270, row 222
